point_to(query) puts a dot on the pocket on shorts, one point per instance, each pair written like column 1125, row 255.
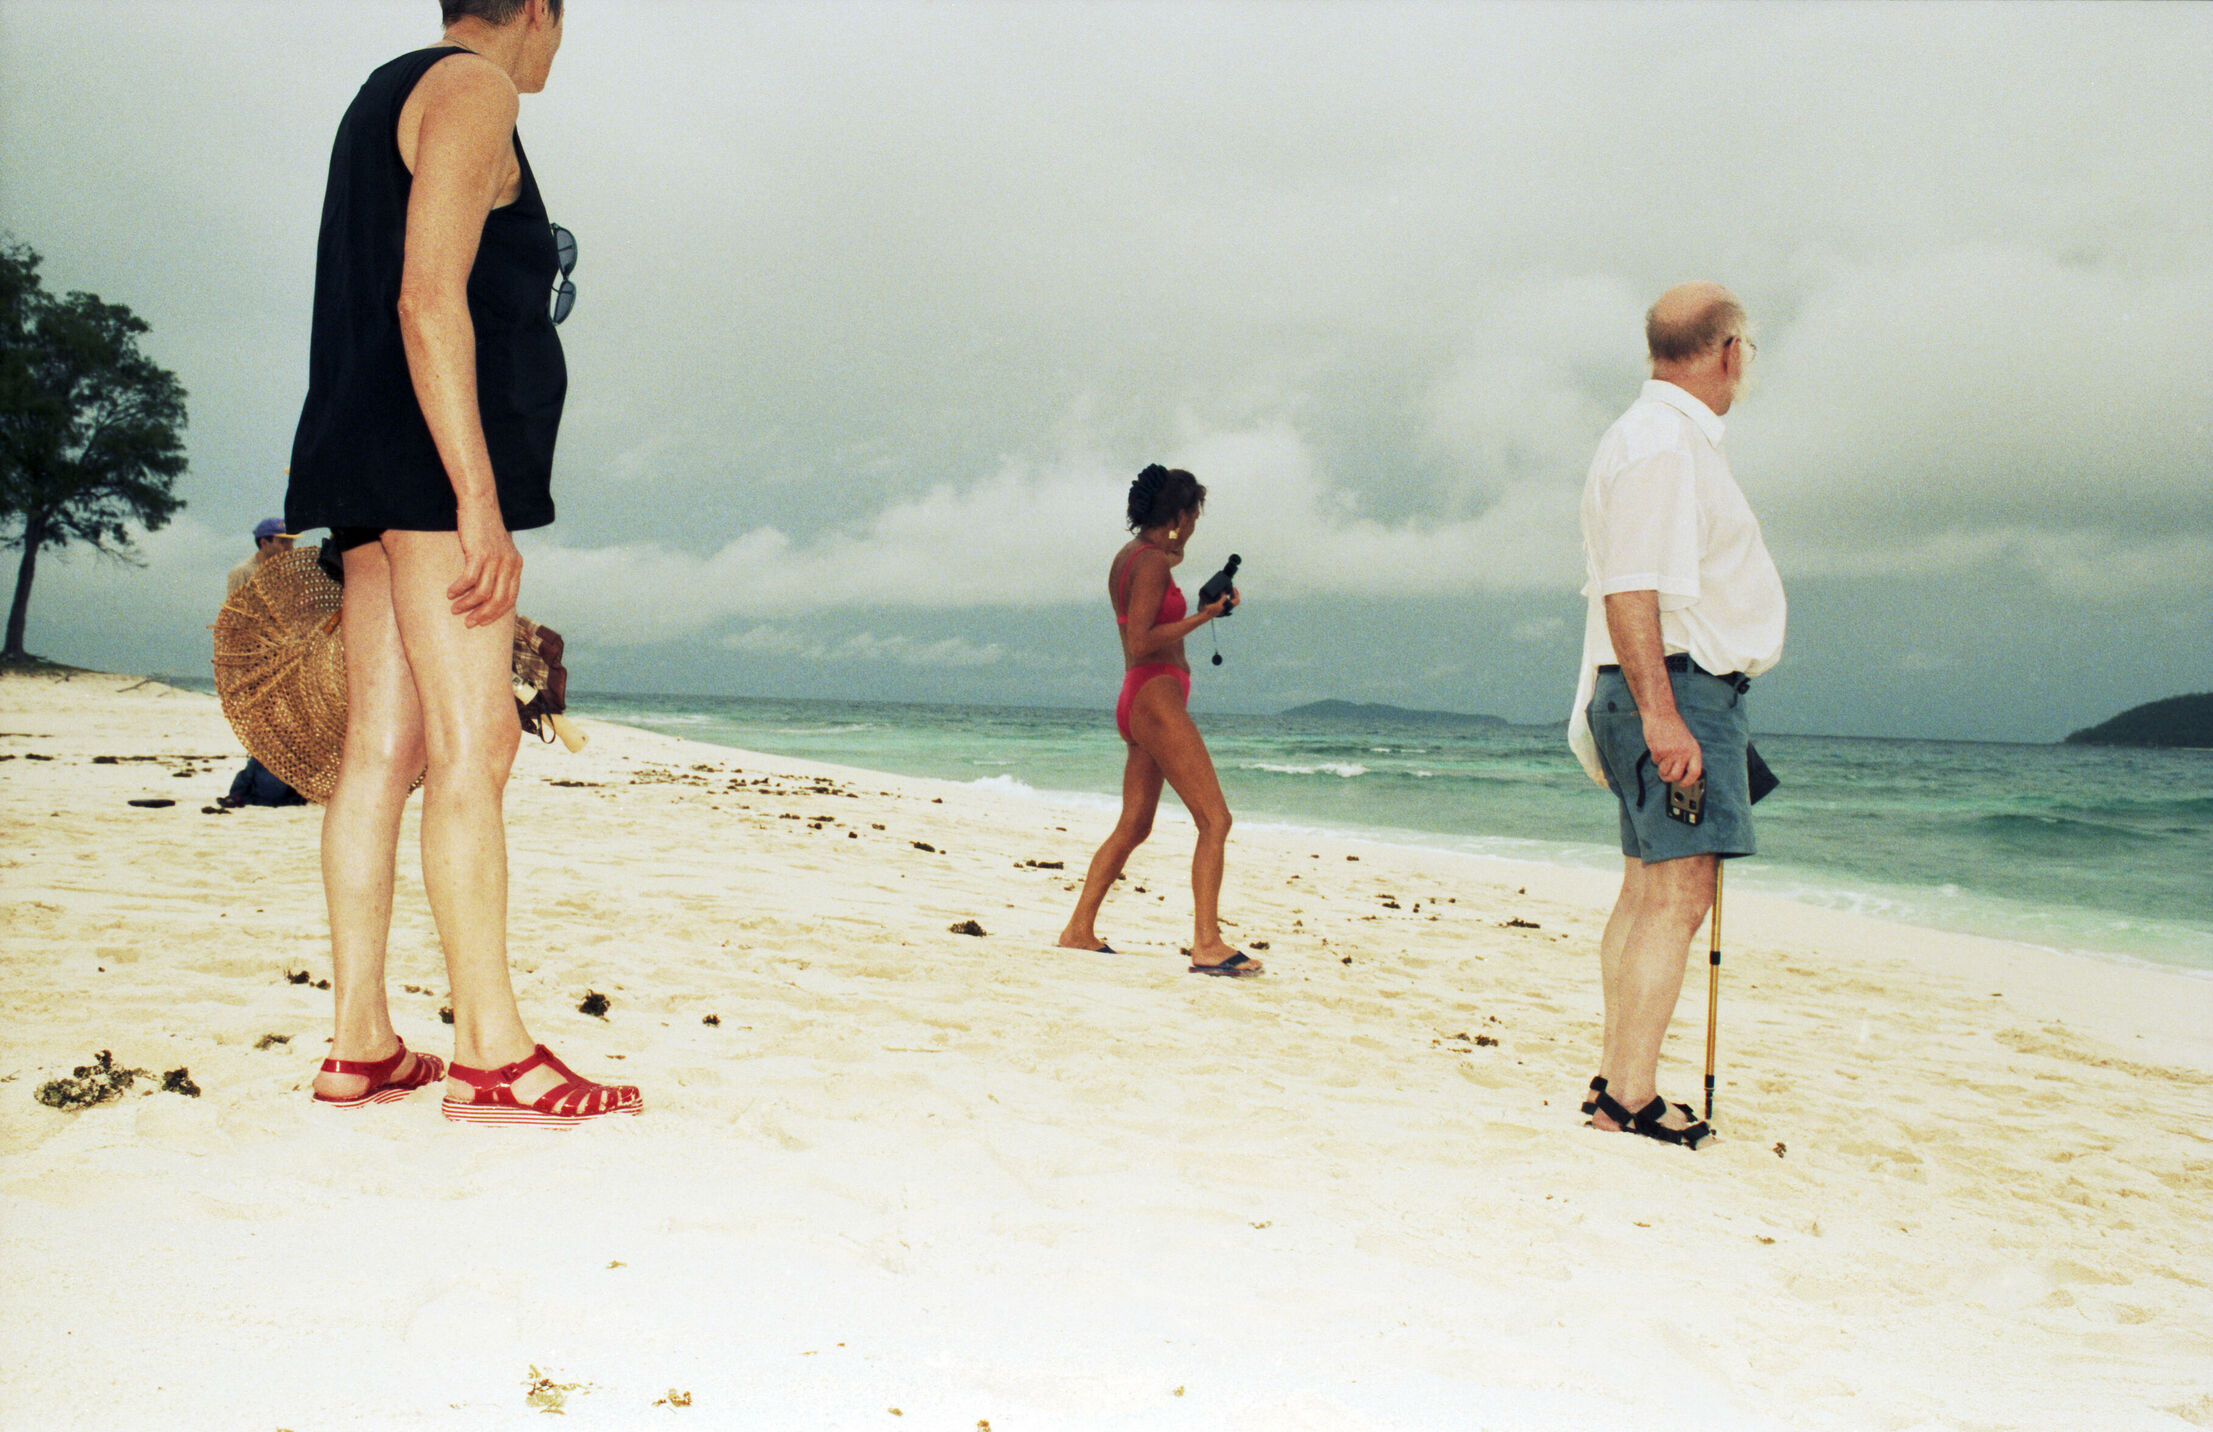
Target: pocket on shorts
column 1696, row 690
column 1617, row 729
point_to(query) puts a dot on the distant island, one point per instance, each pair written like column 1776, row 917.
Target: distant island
column 1377, row 711
column 2176, row 721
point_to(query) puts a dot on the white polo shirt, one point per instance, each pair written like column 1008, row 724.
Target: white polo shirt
column 1661, row 513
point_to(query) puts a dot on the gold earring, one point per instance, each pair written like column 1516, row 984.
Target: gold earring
column 1174, row 533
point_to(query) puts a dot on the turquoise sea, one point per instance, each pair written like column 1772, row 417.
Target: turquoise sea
column 2100, row 850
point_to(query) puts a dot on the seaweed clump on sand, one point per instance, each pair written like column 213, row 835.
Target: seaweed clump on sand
column 179, row 1081
column 594, row 1003
column 90, row 1084
column 541, row 1392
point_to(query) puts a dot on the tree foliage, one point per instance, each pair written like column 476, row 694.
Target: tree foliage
column 91, row 429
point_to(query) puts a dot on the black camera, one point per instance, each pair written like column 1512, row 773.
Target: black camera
column 1218, row 585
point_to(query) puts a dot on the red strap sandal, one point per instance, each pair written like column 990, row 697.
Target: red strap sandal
column 383, row 1088
column 564, row 1106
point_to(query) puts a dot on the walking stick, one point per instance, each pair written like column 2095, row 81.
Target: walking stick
column 1713, row 989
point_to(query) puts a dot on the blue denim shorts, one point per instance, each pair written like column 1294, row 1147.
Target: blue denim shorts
column 1714, row 711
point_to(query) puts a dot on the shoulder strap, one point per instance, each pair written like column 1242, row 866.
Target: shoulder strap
column 1128, row 577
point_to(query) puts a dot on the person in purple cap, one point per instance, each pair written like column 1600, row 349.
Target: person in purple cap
column 257, row 784
column 269, row 536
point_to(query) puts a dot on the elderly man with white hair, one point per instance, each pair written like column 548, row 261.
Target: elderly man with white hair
column 1685, row 608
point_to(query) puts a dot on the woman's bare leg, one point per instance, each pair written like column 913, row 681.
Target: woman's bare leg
column 1140, row 799
column 1164, row 729
column 464, row 684
column 361, row 823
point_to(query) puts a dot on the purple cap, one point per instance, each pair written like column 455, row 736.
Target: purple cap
column 270, row 527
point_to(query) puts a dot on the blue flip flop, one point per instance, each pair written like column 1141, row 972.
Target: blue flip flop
column 1229, row 968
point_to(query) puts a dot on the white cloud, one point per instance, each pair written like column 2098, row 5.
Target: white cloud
column 1519, row 405
column 184, row 565
column 1990, row 406
column 1305, row 537
column 2088, row 565
column 1033, row 535
column 1995, row 378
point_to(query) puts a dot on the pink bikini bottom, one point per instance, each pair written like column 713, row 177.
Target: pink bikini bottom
column 1138, row 676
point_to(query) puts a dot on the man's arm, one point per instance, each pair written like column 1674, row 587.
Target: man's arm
column 1633, row 622
column 463, row 157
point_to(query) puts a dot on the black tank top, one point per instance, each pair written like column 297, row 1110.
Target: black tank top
column 363, row 456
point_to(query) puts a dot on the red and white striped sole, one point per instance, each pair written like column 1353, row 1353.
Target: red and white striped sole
column 431, row 1070
column 381, row 1096
column 512, row 1114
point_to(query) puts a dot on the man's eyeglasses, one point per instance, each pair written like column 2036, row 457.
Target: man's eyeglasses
column 564, row 293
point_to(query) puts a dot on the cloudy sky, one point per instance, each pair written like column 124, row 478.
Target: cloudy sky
column 882, row 305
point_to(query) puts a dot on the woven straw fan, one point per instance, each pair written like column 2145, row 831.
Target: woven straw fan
column 280, row 671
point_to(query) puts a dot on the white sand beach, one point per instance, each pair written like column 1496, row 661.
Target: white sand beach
column 919, row 1179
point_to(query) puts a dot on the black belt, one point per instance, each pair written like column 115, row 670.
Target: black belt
column 1680, row 661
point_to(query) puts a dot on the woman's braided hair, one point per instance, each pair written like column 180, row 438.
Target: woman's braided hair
column 1161, row 495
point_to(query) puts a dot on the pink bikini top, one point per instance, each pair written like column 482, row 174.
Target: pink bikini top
column 1171, row 601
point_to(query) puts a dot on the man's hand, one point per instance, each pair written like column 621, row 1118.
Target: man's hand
column 1674, row 749
column 491, row 568
column 1633, row 624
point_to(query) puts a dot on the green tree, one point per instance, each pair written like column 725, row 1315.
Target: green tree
column 91, row 429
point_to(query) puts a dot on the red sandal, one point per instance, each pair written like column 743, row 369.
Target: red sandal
column 383, row 1088
column 564, row 1106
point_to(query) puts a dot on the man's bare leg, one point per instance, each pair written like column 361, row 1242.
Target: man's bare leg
column 1617, row 934
column 361, row 823
column 1672, row 898
column 1609, row 949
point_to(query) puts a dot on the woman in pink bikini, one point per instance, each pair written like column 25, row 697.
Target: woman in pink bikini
column 1164, row 507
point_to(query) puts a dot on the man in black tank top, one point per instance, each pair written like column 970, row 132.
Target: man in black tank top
column 435, row 389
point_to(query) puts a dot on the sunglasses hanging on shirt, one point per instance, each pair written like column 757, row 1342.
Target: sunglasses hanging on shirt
column 564, row 292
